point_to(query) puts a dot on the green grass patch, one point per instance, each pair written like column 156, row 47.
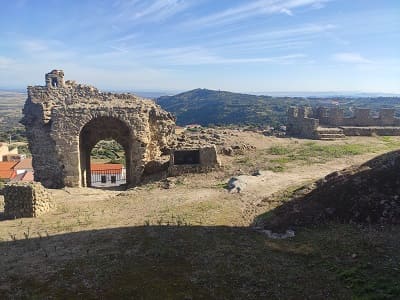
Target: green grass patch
column 311, row 152
column 223, row 185
column 278, row 158
column 314, row 150
column 391, row 142
column 279, row 150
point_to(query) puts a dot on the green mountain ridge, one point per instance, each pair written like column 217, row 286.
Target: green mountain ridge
column 210, row 107
column 206, row 107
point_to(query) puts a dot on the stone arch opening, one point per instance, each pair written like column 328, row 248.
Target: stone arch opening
column 98, row 129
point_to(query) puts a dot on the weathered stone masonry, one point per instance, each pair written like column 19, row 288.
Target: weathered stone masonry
column 25, row 199
column 324, row 123
column 65, row 120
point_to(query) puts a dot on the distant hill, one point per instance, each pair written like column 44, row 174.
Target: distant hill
column 205, row 107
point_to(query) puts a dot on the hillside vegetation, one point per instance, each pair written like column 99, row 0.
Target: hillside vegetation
column 207, row 107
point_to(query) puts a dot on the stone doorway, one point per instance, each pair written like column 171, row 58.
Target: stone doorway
column 64, row 121
column 98, row 129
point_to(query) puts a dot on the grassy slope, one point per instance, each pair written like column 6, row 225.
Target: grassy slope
column 172, row 262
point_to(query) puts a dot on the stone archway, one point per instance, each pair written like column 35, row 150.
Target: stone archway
column 64, row 120
column 98, row 129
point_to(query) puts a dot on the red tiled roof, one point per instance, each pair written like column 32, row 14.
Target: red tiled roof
column 106, row 168
column 28, row 176
column 6, row 169
column 24, row 164
column 6, row 174
column 7, row 165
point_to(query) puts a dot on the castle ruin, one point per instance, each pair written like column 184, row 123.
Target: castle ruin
column 65, row 120
column 330, row 123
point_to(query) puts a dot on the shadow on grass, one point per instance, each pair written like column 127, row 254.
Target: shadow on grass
column 160, row 262
column 183, row 262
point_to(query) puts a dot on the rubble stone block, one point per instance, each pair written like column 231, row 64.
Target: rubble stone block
column 26, row 200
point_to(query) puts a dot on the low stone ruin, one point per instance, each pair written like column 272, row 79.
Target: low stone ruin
column 191, row 160
column 26, row 200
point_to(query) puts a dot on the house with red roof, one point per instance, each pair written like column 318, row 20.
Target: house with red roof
column 106, row 175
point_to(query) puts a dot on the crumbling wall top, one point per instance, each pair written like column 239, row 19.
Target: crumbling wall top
column 55, row 79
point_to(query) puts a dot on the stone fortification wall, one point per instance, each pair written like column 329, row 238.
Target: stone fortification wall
column 300, row 123
column 361, row 117
column 321, row 122
column 370, row 131
column 64, row 120
column 25, row 200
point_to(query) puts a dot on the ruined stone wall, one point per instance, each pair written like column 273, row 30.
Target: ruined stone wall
column 64, row 120
column 304, row 122
column 208, row 161
column 25, row 200
column 300, row 123
column 361, row 117
column 371, row 130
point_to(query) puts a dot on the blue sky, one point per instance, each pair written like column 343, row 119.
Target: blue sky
column 176, row 45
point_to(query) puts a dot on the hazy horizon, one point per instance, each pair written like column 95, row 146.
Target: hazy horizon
column 177, row 45
column 322, row 94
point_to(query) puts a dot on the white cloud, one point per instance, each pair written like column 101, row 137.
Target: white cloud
column 156, row 10
column 351, row 58
column 299, row 33
column 287, row 11
column 255, row 8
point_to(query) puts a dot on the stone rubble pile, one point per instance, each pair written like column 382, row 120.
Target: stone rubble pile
column 26, row 200
column 205, row 137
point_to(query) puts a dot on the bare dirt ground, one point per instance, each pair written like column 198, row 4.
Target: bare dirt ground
column 199, row 199
column 67, row 234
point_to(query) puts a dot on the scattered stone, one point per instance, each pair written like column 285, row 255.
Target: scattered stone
column 168, row 183
column 227, row 151
column 236, row 185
